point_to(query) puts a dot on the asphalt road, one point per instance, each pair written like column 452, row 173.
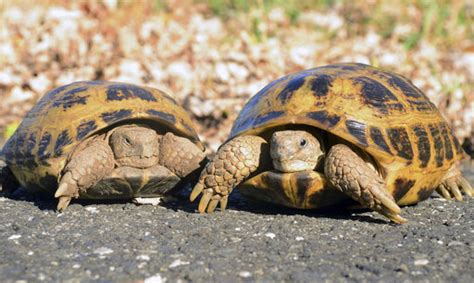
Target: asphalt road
column 105, row 242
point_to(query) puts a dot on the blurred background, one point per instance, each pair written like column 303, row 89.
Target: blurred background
column 213, row 55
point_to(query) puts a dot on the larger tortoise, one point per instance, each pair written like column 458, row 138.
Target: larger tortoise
column 102, row 140
column 322, row 136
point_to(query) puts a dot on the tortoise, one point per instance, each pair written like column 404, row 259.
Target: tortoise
column 102, row 140
column 333, row 135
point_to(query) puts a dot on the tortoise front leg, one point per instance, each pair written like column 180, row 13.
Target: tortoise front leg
column 349, row 173
column 85, row 167
column 180, row 155
column 232, row 164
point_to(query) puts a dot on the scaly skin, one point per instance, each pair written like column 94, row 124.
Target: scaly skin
column 84, row 169
column 180, row 155
column 350, row 174
column 232, row 164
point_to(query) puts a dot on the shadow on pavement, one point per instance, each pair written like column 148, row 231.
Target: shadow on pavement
column 181, row 203
column 239, row 203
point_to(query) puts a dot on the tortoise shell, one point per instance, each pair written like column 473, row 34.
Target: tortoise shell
column 380, row 112
column 65, row 116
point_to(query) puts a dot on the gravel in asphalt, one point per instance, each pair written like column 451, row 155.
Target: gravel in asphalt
column 103, row 242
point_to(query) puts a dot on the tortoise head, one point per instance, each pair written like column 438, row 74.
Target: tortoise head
column 294, row 151
column 135, row 146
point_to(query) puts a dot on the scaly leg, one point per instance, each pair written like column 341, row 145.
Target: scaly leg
column 349, row 173
column 180, row 155
column 232, row 164
column 84, row 168
column 454, row 184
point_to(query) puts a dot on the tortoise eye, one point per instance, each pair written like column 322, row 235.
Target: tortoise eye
column 127, row 142
column 303, row 142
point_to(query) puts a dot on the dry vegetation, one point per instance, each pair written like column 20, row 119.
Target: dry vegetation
column 212, row 56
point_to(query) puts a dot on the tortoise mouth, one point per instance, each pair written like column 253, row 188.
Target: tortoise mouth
column 138, row 161
column 304, row 174
column 290, row 166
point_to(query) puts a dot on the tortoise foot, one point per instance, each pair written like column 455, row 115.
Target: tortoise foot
column 232, row 164
column 209, row 199
column 454, row 187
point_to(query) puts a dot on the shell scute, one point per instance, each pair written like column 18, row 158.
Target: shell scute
column 268, row 117
column 29, row 154
column 423, row 145
column 44, row 142
column 166, row 116
column 379, row 140
column 62, row 140
column 20, row 142
column 357, row 130
column 84, row 128
column 379, row 97
column 122, row 91
column 424, row 193
column 72, row 97
column 401, row 84
column 115, row 116
column 321, row 84
column 400, row 141
column 448, row 148
column 402, row 187
column 291, row 87
column 438, row 144
column 323, row 117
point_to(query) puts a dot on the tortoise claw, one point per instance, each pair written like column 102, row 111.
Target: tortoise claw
column 67, row 190
column 387, row 206
column 63, row 190
column 223, row 202
column 386, row 201
column 205, row 199
column 455, row 187
column 209, row 199
column 63, row 203
column 465, row 186
column 212, row 205
column 443, row 191
column 392, row 215
column 196, row 191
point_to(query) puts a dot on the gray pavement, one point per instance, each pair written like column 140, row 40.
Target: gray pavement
column 104, row 242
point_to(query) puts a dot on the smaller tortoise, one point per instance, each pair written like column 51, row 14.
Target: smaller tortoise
column 322, row 136
column 102, row 140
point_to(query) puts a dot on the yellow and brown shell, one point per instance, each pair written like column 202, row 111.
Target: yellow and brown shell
column 69, row 114
column 380, row 112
